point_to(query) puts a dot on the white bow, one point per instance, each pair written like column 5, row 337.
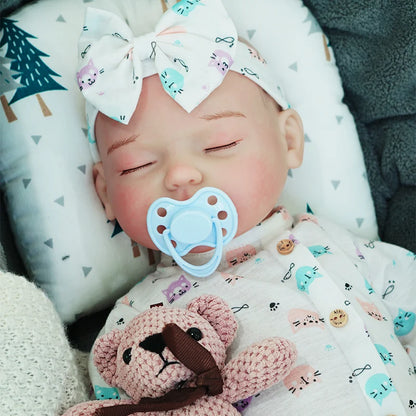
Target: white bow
column 192, row 48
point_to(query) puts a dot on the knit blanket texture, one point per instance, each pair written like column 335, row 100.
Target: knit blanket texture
column 40, row 373
column 374, row 43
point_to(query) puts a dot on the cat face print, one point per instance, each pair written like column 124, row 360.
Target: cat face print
column 177, row 288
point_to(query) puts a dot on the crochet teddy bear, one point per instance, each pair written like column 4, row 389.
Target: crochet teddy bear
column 172, row 362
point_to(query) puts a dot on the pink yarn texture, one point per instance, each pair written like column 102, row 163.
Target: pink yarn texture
column 123, row 362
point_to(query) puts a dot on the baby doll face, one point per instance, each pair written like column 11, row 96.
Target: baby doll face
column 235, row 140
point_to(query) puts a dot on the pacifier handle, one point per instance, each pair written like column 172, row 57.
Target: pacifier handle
column 205, row 269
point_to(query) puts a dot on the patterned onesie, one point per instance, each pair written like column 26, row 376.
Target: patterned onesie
column 348, row 304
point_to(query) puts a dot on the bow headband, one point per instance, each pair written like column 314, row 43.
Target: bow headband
column 193, row 46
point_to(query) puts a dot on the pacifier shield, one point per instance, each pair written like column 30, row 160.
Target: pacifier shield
column 190, row 226
column 208, row 218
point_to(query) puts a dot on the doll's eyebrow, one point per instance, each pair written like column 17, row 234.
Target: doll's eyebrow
column 222, row 114
column 208, row 117
column 121, row 143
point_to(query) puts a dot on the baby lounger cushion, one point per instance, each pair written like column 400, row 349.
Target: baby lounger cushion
column 69, row 248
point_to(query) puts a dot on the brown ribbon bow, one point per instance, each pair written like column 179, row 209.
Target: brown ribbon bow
column 195, row 357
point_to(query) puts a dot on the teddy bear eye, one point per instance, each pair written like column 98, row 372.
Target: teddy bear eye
column 195, row 333
column 127, row 356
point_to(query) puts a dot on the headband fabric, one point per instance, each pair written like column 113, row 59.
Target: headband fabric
column 192, row 48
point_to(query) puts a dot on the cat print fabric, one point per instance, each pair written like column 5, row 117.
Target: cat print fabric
column 191, row 56
column 177, row 288
column 189, row 53
column 348, row 304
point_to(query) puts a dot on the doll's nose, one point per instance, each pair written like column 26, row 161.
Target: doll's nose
column 182, row 175
column 153, row 343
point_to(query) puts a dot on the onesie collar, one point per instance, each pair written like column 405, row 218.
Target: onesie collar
column 245, row 245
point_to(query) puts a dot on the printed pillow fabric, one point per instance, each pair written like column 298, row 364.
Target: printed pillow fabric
column 332, row 181
column 84, row 262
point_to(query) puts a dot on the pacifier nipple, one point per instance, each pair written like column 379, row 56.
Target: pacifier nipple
column 209, row 218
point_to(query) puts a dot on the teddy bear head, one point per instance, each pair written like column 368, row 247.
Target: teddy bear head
column 137, row 358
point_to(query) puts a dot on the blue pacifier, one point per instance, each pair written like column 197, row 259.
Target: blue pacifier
column 209, row 218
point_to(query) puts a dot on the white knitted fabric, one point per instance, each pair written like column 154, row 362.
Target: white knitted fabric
column 40, row 374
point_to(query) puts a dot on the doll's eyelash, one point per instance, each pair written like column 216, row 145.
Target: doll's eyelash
column 225, row 146
column 131, row 170
column 209, row 150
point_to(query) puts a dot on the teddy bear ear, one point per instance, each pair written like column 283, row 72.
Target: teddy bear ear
column 218, row 314
column 105, row 355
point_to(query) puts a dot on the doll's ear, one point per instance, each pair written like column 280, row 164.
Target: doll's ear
column 105, row 355
column 101, row 189
column 292, row 129
column 218, row 314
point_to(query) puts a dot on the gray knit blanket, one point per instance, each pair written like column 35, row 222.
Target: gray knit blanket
column 374, row 42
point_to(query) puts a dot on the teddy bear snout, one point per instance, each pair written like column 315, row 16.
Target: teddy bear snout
column 154, row 343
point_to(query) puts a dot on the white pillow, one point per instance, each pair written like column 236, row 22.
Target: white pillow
column 80, row 259
column 332, row 181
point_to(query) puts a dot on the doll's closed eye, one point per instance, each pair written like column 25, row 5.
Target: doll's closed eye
column 136, row 168
column 222, row 147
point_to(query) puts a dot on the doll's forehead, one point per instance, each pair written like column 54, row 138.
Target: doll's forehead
column 236, row 97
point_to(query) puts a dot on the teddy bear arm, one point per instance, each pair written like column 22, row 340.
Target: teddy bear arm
column 257, row 368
